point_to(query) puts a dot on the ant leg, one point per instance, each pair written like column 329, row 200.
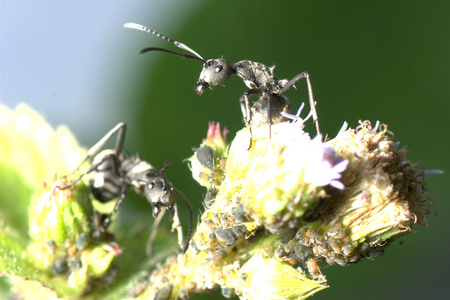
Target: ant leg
column 177, row 225
column 269, row 118
column 312, row 103
column 107, row 220
column 154, row 231
column 176, row 222
column 189, row 206
column 98, row 231
column 246, row 111
column 111, row 156
column 121, row 127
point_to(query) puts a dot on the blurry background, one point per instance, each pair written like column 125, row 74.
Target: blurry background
column 77, row 65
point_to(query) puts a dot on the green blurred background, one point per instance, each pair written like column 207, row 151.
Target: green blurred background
column 368, row 60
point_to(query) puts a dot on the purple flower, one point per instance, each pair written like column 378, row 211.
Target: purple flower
column 317, row 161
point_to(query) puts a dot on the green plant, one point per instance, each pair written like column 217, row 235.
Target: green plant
column 274, row 213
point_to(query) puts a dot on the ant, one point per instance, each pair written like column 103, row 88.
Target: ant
column 112, row 173
column 258, row 77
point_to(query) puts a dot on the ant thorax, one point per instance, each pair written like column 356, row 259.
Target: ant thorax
column 136, row 172
column 258, row 75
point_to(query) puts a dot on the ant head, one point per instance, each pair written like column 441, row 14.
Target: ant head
column 160, row 193
column 215, row 72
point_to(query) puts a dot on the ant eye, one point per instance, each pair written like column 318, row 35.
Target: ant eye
column 218, row 69
column 150, row 185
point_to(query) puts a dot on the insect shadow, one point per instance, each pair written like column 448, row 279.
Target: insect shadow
column 259, row 78
column 113, row 172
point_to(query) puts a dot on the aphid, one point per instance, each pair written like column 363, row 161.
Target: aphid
column 112, row 173
column 290, row 260
column 227, row 292
column 212, row 236
column 75, row 264
column 211, row 194
column 239, row 230
column 342, row 261
column 71, row 248
column 244, row 276
column 60, row 266
column 215, row 256
column 224, row 220
column 319, row 240
column 191, row 285
column 334, row 245
column 208, row 175
column 347, row 250
column 111, row 276
column 183, row 293
column 225, row 235
column 302, row 251
column 210, row 224
column 287, row 236
column 137, row 289
column 239, row 213
column 288, row 249
column 82, row 242
column 51, row 247
column 315, row 251
column 206, row 157
column 313, row 269
column 302, row 236
column 375, row 252
column 342, row 233
column 313, row 234
column 323, row 249
column 194, row 247
column 278, row 253
column 258, row 77
column 164, row 292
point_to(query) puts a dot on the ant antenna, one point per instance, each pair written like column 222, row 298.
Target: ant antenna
column 187, row 56
column 164, row 175
column 176, row 43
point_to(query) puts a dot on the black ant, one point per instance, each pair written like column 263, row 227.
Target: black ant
column 113, row 172
column 258, row 77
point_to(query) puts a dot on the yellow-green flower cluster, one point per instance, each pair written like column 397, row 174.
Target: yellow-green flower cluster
column 46, row 246
column 274, row 212
column 290, row 202
column 62, row 247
